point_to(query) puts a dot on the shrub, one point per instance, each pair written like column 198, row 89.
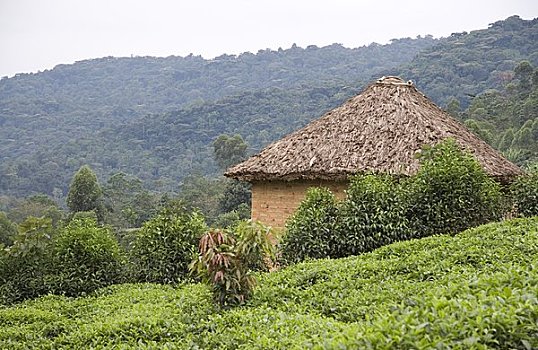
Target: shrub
column 226, row 262
column 310, row 230
column 86, row 257
column 372, row 215
column 25, row 266
column 451, row 192
column 163, row 248
column 524, row 193
column 476, row 290
column 8, row 230
column 232, row 218
column 255, row 244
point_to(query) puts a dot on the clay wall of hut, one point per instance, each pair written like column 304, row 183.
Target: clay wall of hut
column 273, row 202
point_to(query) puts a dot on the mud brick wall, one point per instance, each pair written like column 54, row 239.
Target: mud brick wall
column 274, row 201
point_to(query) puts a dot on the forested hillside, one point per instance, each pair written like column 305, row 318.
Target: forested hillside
column 113, row 88
column 54, row 121
column 508, row 118
column 466, row 64
column 163, row 148
column 155, row 118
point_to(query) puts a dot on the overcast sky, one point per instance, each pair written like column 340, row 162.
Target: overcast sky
column 39, row 34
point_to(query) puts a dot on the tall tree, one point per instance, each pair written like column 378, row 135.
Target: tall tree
column 127, row 202
column 523, row 73
column 84, row 192
column 229, row 150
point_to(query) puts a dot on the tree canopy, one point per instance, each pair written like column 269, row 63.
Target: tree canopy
column 229, row 150
column 84, row 191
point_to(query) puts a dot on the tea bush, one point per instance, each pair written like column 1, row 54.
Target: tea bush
column 163, row 248
column 451, row 192
column 310, row 232
column 255, row 244
column 25, row 265
column 372, row 215
column 129, row 316
column 474, row 290
column 524, row 193
column 86, row 257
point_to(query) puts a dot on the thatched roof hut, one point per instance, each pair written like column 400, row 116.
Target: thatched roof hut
column 379, row 130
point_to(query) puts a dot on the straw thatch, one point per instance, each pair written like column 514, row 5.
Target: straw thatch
column 379, row 130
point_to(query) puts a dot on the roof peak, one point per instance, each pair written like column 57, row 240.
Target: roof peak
column 393, row 80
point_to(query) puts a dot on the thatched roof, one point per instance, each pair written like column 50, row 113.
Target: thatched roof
column 379, row 130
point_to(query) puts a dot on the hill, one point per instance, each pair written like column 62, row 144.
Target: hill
column 118, row 88
column 474, row 290
column 155, row 118
column 467, row 64
column 49, row 120
column 162, row 148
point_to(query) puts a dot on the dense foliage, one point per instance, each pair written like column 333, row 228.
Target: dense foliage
column 127, row 203
column 450, row 192
column 310, row 231
column 372, row 215
column 25, row 266
column 466, row 64
column 229, row 150
column 85, row 257
column 524, row 193
column 7, row 230
column 508, row 118
column 165, row 245
column 73, row 260
column 235, row 194
column 474, row 290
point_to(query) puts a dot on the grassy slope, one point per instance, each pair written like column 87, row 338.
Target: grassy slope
column 475, row 290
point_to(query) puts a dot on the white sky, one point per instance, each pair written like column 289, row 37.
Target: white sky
column 39, row 34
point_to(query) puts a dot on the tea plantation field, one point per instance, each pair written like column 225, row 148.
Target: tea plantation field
column 475, row 290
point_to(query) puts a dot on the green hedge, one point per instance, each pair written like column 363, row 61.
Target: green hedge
column 474, row 290
column 449, row 193
column 26, row 265
column 524, row 193
column 73, row 260
column 86, row 257
column 372, row 215
column 310, row 232
column 164, row 247
column 125, row 316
